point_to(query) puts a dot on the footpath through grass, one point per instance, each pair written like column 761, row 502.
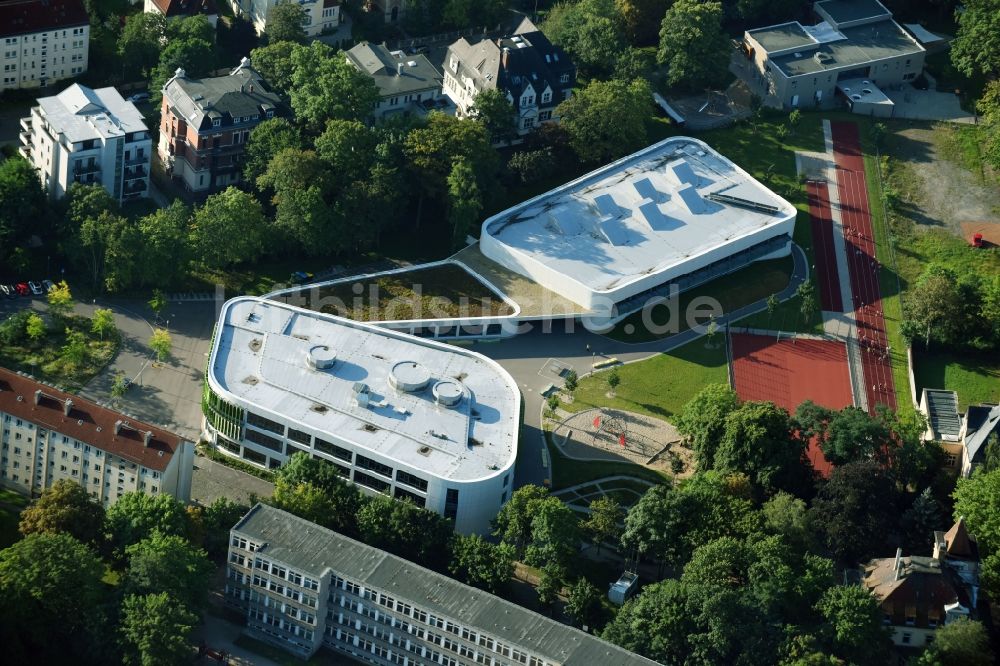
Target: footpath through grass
column 658, row 386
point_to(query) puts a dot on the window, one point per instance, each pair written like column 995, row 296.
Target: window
column 546, row 97
column 334, row 450
column 402, row 493
column 564, row 78
column 527, row 100
column 528, row 123
column 373, row 465
column 370, row 481
column 258, row 421
column 299, row 436
column 414, row 481
column 451, row 503
column 907, row 637
column 216, row 122
column 545, row 115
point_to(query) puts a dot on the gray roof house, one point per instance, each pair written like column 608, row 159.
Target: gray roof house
column 981, row 421
column 854, row 49
column 535, row 74
column 406, row 83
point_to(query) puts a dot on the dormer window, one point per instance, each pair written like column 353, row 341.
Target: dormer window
column 453, row 64
column 270, row 114
column 216, row 122
column 527, row 100
column 546, row 97
column 564, row 78
column 256, row 116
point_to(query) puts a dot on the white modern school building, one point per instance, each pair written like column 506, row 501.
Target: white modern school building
column 393, row 413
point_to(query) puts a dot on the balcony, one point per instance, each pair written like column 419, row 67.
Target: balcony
column 25, row 138
column 25, row 152
column 134, row 188
column 136, row 173
column 84, row 169
column 26, row 124
column 138, row 159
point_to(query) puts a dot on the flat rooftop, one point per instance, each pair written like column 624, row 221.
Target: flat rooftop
column 309, row 368
column 781, row 37
column 81, row 113
column 646, row 213
column 845, row 11
column 860, row 45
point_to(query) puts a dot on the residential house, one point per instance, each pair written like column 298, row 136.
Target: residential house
column 944, row 423
column 181, row 8
column 49, row 435
column 854, row 49
column 919, row 594
column 43, row 42
column 982, row 423
column 205, row 124
column 83, row 135
column 302, row 586
column 406, row 84
column 320, row 15
column 535, row 74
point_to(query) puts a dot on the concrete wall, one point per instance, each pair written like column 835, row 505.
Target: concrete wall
column 886, row 73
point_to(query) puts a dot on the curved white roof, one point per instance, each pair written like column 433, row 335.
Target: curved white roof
column 260, row 360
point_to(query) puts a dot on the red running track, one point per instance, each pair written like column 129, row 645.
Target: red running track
column 789, row 372
column 863, row 266
column 826, row 255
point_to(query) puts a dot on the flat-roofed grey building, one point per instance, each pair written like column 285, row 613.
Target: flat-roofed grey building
column 303, row 586
column 854, row 41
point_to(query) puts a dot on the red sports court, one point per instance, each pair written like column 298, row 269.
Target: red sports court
column 788, row 372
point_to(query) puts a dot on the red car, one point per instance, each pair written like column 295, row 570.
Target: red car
column 22, row 288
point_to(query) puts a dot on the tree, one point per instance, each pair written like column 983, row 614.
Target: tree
column 976, row 48
column 348, row 148
column 156, row 630
column 23, row 203
column 555, row 534
column 703, row 420
column 513, row 524
column 570, row 381
column 854, row 620
column 193, row 55
column 851, row 435
column 854, row 510
column 406, row 530
column 492, row 108
column 584, row 604
column 657, row 624
column 218, row 518
column 603, row 522
column 786, row 516
column 920, row 521
column 74, row 352
column 157, row 302
column 757, row 440
column 807, row 300
column 136, row 516
column 550, row 583
column 326, row 85
column 35, row 327
column 161, row 343
column 977, row 499
column 302, row 200
column 642, row 19
column 53, row 596
column 464, row 202
column 284, row 23
column 168, row 563
column 961, row 642
column 532, row 165
column 710, row 332
column 590, row 30
column 693, row 45
column 480, row 563
column 60, row 300
column 274, row 63
column 120, row 386
column 64, row 507
column 164, row 250
column 606, row 119
column 772, row 305
column 333, row 507
column 934, row 306
column 102, row 322
column 302, row 468
column 633, row 63
column 141, row 41
column 228, row 229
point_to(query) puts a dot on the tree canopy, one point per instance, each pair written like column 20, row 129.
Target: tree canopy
column 326, row 86
column 607, row 119
column 135, row 516
column 703, row 421
column 168, row 563
column 693, row 45
column 65, row 507
column 156, row 630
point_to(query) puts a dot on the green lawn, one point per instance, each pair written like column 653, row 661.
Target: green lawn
column 568, row 472
column 11, row 504
column 658, row 386
column 975, row 377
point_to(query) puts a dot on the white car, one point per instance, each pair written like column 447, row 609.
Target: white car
column 138, row 97
column 35, row 288
column 48, row 285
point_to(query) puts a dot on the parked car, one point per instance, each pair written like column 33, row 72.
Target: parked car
column 5, row 290
column 138, row 97
column 22, row 289
column 36, row 288
column 48, row 285
column 11, row 291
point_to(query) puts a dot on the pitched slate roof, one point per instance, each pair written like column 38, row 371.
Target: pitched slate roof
column 243, row 92
column 18, row 17
column 394, row 72
column 918, row 583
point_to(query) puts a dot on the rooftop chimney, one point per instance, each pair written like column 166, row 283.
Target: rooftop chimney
column 940, row 547
column 899, row 562
column 147, row 437
column 118, row 426
column 38, row 396
column 505, row 57
column 399, row 69
column 180, row 73
column 67, row 406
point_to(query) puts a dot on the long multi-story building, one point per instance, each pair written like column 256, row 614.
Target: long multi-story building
column 205, row 124
column 302, row 586
column 42, row 41
column 83, row 135
column 394, row 414
column 48, row 435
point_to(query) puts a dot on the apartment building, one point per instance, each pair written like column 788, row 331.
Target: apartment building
column 319, row 15
column 205, row 124
column 303, row 586
column 392, row 413
column 181, row 8
column 88, row 136
column 48, row 435
column 406, row 83
column 535, row 74
column 42, row 41
column 854, row 48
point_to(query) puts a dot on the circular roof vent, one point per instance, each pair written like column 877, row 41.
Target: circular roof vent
column 856, row 97
column 448, row 392
column 409, row 376
column 320, row 357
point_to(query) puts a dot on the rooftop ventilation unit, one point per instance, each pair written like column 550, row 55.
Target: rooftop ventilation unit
column 448, row 392
column 409, row 377
column 320, row 357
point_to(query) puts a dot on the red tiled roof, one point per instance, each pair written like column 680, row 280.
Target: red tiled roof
column 18, row 17
column 87, row 421
column 185, row 7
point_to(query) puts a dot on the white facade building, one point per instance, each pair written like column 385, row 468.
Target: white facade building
column 662, row 215
column 42, row 42
column 88, row 136
column 320, row 15
column 48, row 435
column 173, row 9
column 394, row 414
